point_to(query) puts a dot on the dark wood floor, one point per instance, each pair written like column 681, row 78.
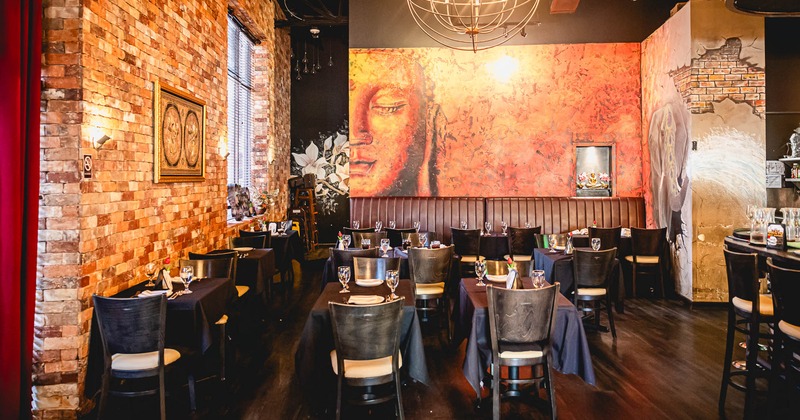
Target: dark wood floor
column 666, row 363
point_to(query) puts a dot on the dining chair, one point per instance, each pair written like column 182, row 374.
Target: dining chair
column 132, row 334
column 283, row 259
column 351, row 231
column 344, row 257
column 367, row 351
column 500, row 268
column 415, row 238
column 429, row 270
column 521, row 242
column 396, row 235
column 467, row 243
column 609, row 237
column 216, row 268
column 748, row 310
column 521, row 323
column 369, row 268
column 374, row 238
column 647, row 251
column 539, row 240
column 786, row 300
column 231, row 254
column 592, row 271
column 257, row 241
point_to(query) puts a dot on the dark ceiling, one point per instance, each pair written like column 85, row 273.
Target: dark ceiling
column 314, row 12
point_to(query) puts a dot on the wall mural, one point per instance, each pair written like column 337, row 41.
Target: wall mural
column 505, row 122
column 328, row 159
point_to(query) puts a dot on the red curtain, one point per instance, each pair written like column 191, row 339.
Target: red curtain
column 20, row 74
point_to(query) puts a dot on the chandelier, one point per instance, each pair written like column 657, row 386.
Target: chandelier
column 472, row 25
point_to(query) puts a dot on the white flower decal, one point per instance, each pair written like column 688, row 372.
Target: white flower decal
column 331, row 166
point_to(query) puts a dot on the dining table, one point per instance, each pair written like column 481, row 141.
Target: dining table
column 189, row 322
column 312, row 359
column 255, row 269
column 570, row 349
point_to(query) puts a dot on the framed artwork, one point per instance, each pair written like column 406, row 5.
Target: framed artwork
column 179, row 127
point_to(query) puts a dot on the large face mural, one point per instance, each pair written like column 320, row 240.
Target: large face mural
column 504, row 122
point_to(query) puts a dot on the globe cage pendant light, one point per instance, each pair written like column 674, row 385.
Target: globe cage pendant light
column 472, row 25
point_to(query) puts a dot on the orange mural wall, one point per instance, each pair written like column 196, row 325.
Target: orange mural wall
column 502, row 122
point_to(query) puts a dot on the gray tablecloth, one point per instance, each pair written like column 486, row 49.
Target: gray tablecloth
column 312, row 360
column 570, row 349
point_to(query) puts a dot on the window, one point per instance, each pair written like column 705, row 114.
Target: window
column 240, row 119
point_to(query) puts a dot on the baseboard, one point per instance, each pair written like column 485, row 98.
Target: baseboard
column 699, row 305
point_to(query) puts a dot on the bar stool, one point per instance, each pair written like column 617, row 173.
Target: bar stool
column 786, row 298
column 747, row 311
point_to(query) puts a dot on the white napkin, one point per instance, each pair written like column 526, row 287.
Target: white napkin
column 584, row 231
column 273, row 228
column 512, row 274
column 625, row 233
column 364, row 300
column 341, row 245
column 167, row 280
column 147, row 293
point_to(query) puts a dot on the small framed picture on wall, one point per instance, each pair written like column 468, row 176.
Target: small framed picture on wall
column 179, row 128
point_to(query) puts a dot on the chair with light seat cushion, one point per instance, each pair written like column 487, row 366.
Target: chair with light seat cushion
column 786, row 344
column 396, row 236
column 521, row 323
column 344, row 257
column 467, row 247
column 367, row 341
column 746, row 316
column 647, row 251
column 370, row 268
column 374, row 238
column 522, row 242
column 592, row 271
column 283, row 258
column 415, row 238
column 132, row 335
column 351, row 231
column 609, row 238
column 429, row 270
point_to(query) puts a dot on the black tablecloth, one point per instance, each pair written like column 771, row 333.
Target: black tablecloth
column 570, row 349
column 494, row 246
column 255, row 270
column 291, row 245
column 189, row 322
column 312, row 359
column 557, row 267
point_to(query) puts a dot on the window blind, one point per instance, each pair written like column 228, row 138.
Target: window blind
column 240, row 105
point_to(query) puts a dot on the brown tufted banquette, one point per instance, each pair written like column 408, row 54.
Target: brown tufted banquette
column 554, row 214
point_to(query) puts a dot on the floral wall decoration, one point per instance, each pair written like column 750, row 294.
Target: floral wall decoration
column 328, row 159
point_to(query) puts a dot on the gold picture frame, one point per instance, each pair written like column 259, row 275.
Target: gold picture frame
column 179, row 133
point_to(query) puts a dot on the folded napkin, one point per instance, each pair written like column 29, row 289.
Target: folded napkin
column 584, row 231
column 364, row 300
column 147, row 293
column 625, row 233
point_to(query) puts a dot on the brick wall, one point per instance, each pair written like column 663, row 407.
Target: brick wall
column 100, row 60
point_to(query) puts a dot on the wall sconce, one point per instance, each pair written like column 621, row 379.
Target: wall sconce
column 99, row 142
column 223, row 148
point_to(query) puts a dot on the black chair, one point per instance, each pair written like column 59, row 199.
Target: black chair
column 396, row 236
column 257, row 241
column 647, row 249
column 747, row 311
column 539, row 240
column 374, row 238
column 231, row 254
column 132, row 334
column 248, row 234
column 368, row 268
column 367, row 354
column 429, row 269
column 609, row 237
column 521, row 242
column 344, row 257
column 351, row 231
column 592, row 271
column 283, row 261
column 415, row 238
column 521, row 323
column 786, row 301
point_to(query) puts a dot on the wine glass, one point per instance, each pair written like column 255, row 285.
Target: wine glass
column 538, row 279
column 596, row 244
column 392, row 280
column 187, row 275
column 150, row 272
column 463, row 224
column 378, row 226
column 480, row 272
column 365, row 243
column 488, row 226
column 344, row 278
column 392, row 224
column 346, row 241
column 552, row 239
column 356, row 224
column 287, row 225
column 416, row 225
column 504, row 226
column 423, row 239
column 527, row 225
column 385, row 246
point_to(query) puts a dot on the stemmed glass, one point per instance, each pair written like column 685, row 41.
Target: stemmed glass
column 480, row 271
column 528, row 225
column 344, row 278
column 187, row 275
column 423, row 239
column 504, row 226
column 356, row 224
column 378, row 226
column 385, row 246
column 392, row 224
column 416, row 225
column 346, row 241
column 538, row 279
column 365, row 243
column 463, row 224
column 596, row 244
column 552, row 238
column 150, row 272
column 392, row 280
column 488, row 226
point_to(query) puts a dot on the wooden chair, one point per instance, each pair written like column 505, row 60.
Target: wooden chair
column 415, row 238
column 367, row 340
column 609, row 237
column 539, row 239
column 132, row 334
column 368, row 268
column 521, row 323
column 647, row 249
column 344, row 257
column 521, row 242
column 351, row 231
column 592, row 271
column 396, row 235
column 374, row 238
column 224, row 254
column 747, row 311
column 257, row 241
column 429, row 269
column 786, row 344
